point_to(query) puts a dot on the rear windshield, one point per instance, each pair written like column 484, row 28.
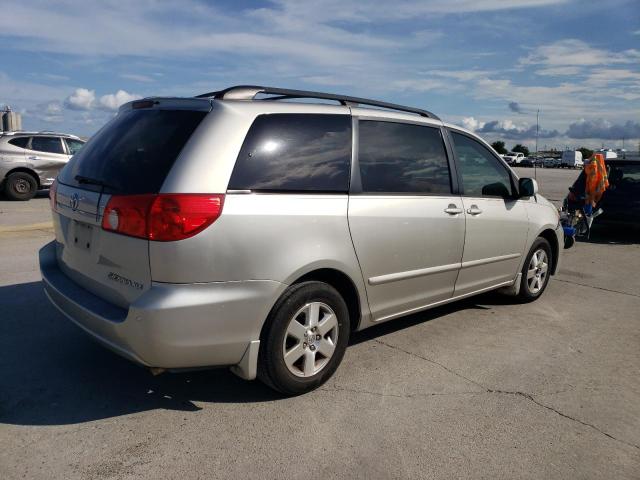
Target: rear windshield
column 133, row 153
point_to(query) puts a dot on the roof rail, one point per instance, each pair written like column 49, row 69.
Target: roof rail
column 248, row 92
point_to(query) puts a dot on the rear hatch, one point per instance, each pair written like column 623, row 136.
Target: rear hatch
column 131, row 155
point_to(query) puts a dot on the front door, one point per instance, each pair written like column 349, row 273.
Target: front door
column 497, row 222
column 407, row 226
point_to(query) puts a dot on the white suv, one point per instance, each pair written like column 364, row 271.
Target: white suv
column 31, row 160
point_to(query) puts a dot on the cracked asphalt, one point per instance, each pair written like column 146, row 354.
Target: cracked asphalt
column 478, row 389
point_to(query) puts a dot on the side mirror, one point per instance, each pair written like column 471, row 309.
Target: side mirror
column 527, row 187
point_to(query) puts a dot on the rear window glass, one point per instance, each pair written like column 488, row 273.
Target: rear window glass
column 402, row 158
column 47, row 144
column 20, row 142
column 295, row 152
column 134, row 152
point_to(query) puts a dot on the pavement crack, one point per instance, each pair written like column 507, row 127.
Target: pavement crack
column 530, row 397
column 525, row 395
column 336, row 388
column 457, row 374
column 597, row 288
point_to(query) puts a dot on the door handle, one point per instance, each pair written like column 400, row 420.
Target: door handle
column 453, row 209
column 34, row 157
column 474, row 210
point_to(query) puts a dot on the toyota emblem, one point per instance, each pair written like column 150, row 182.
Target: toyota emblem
column 75, row 201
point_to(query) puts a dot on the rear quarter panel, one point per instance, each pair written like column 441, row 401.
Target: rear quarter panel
column 278, row 237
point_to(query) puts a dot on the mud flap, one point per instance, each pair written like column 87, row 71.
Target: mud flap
column 512, row 290
column 247, row 368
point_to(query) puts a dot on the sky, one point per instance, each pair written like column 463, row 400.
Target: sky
column 488, row 65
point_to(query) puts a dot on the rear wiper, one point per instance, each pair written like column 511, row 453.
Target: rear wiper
column 81, row 179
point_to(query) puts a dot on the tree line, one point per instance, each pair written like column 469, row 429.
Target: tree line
column 500, row 147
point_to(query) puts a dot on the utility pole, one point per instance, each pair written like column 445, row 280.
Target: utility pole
column 535, row 162
column 537, row 129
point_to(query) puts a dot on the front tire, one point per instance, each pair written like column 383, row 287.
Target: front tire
column 20, row 186
column 304, row 339
column 536, row 271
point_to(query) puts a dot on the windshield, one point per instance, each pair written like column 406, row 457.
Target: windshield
column 133, row 153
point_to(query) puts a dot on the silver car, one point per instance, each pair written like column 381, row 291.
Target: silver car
column 243, row 229
column 31, row 160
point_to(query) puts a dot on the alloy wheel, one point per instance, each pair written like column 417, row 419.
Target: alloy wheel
column 537, row 271
column 310, row 339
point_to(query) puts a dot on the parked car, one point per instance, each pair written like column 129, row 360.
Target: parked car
column 550, row 162
column 31, row 160
column 513, row 158
column 571, row 159
column 226, row 230
column 608, row 153
column 526, row 163
column 621, row 201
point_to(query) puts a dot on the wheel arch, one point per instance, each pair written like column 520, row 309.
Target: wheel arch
column 345, row 287
column 339, row 280
column 23, row 170
column 550, row 235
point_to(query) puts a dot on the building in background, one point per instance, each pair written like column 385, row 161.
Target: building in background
column 10, row 121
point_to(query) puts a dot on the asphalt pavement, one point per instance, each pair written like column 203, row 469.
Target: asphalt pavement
column 483, row 388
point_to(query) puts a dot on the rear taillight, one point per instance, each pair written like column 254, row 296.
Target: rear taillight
column 162, row 217
column 53, row 190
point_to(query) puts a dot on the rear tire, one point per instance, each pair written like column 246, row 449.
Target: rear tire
column 536, row 271
column 304, row 339
column 20, row 186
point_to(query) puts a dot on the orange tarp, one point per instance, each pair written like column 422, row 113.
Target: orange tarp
column 596, row 177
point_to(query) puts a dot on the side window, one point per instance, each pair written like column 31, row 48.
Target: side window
column 21, row 142
column 74, row 146
column 482, row 174
column 295, row 152
column 402, row 158
column 47, row 144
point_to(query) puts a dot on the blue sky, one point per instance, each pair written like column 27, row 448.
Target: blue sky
column 485, row 64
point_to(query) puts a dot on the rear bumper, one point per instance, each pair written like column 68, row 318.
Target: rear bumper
column 170, row 326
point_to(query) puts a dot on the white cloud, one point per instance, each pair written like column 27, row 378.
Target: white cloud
column 85, row 99
column 81, row 99
column 572, row 52
column 470, row 123
column 557, row 71
column 136, row 77
column 113, row 101
column 52, row 108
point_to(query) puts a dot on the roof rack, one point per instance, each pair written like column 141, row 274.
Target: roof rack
column 248, row 92
column 33, row 132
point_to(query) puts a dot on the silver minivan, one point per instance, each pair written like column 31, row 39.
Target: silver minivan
column 255, row 229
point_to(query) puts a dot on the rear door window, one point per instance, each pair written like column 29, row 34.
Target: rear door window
column 74, row 146
column 483, row 175
column 402, row 158
column 134, row 152
column 47, row 145
column 21, row 142
column 295, row 152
